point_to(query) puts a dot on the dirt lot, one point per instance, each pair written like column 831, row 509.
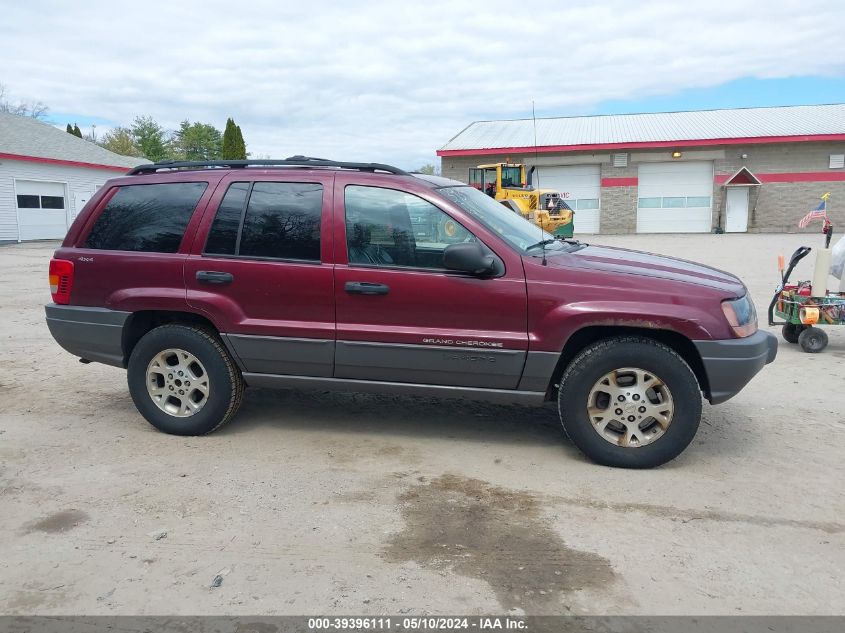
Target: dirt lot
column 324, row 503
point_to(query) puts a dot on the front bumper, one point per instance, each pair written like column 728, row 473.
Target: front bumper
column 731, row 364
column 95, row 334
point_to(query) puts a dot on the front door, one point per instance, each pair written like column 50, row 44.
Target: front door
column 736, row 213
column 261, row 270
column 401, row 317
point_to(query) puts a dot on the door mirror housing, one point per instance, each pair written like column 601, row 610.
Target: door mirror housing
column 469, row 257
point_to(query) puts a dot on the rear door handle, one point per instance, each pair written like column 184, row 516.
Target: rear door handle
column 365, row 288
column 214, row 277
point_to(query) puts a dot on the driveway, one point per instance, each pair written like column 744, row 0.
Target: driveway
column 344, row 503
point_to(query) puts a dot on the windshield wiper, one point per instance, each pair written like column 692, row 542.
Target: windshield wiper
column 568, row 245
column 542, row 244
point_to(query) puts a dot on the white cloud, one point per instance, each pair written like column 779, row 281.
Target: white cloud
column 390, row 81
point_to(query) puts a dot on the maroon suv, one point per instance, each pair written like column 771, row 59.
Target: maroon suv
column 202, row 279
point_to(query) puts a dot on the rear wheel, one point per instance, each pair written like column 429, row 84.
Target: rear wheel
column 183, row 381
column 629, row 402
column 791, row 332
column 813, row 340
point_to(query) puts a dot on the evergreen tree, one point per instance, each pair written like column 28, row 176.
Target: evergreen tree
column 69, row 129
column 149, row 137
column 196, row 141
column 231, row 147
column 77, row 131
column 241, row 144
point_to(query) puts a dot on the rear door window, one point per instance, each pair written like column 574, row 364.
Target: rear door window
column 223, row 236
column 268, row 220
column 148, row 218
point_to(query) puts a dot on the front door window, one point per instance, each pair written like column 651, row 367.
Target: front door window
column 388, row 228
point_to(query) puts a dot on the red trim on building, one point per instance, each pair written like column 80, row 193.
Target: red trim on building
column 619, row 182
column 743, row 176
column 58, row 161
column 753, row 140
column 802, row 176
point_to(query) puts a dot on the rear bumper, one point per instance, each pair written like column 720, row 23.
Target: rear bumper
column 95, row 334
column 731, row 364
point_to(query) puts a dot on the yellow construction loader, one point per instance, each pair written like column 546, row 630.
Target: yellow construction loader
column 506, row 182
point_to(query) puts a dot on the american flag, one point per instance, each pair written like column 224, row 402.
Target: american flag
column 820, row 212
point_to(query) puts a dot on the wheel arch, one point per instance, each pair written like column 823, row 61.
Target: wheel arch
column 590, row 334
column 141, row 322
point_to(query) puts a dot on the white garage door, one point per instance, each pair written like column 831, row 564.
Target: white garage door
column 580, row 186
column 42, row 208
column 675, row 197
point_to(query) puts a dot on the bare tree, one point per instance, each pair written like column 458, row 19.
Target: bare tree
column 36, row 110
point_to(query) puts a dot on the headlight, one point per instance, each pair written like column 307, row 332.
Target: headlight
column 741, row 315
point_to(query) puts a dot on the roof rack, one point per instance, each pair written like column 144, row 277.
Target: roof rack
column 293, row 161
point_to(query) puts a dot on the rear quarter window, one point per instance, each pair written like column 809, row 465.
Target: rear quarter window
column 148, row 218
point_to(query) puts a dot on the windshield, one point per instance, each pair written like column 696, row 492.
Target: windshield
column 511, row 177
column 512, row 227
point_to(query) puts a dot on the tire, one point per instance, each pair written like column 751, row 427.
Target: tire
column 813, row 340
column 791, row 332
column 207, row 404
column 658, row 443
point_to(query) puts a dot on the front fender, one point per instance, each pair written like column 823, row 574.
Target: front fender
column 553, row 329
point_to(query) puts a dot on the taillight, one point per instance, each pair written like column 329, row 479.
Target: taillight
column 61, row 280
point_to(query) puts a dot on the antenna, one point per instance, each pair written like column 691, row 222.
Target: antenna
column 542, row 233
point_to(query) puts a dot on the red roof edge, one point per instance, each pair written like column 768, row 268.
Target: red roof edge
column 59, row 161
column 707, row 142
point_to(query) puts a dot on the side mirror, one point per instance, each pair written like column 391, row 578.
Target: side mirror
column 468, row 257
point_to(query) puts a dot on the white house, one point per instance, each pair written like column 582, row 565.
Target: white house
column 46, row 176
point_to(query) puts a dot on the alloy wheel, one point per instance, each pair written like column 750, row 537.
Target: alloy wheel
column 177, row 383
column 630, row 407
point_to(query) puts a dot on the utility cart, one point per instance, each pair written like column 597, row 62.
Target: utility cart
column 804, row 309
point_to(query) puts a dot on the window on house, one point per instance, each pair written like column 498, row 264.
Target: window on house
column 52, row 202
column 698, row 201
column 676, row 202
column 587, row 203
column 28, row 202
column 673, row 202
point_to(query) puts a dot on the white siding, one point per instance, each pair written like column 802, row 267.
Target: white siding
column 575, row 183
column 80, row 183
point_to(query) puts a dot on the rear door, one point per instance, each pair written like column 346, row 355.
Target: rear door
column 401, row 317
column 129, row 252
column 261, row 270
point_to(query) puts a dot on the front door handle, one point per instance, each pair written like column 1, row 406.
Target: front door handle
column 365, row 288
column 214, row 277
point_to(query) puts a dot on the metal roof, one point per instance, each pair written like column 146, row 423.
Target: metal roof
column 661, row 127
column 25, row 136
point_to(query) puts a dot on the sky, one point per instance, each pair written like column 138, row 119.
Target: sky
column 393, row 81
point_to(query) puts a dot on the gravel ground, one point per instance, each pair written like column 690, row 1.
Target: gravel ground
column 343, row 503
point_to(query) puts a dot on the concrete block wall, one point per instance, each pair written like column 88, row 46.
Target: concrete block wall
column 619, row 203
column 777, row 207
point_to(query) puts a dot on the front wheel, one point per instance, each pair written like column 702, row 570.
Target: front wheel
column 791, row 332
column 629, row 402
column 813, row 340
column 183, row 381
